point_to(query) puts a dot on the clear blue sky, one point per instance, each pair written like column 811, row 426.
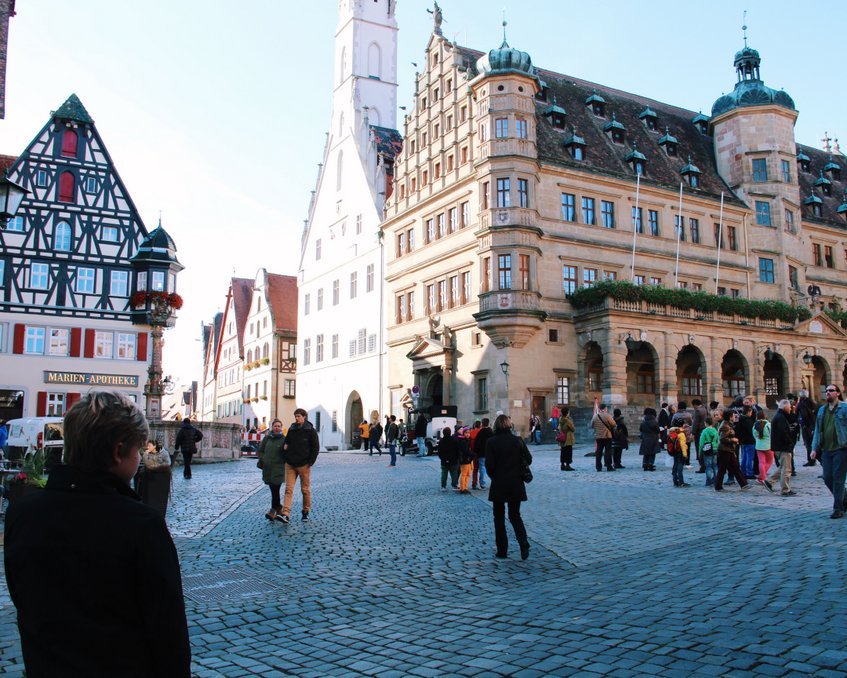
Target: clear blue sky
column 215, row 112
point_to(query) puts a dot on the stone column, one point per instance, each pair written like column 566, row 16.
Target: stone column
column 714, row 381
column 756, row 385
column 667, row 369
column 614, row 370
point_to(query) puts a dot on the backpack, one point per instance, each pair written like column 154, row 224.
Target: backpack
column 674, row 444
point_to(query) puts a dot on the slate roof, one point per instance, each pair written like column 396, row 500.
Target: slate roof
column 818, row 160
column 73, row 109
column 389, row 142
column 282, row 298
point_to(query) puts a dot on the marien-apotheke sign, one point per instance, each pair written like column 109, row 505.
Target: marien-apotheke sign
column 90, row 379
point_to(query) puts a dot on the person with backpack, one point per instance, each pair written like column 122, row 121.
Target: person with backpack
column 762, row 437
column 728, row 452
column 708, row 446
column 678, row 449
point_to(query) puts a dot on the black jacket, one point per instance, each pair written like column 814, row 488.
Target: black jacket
column 420, row 426
column 302, row 445
column 744, row 430
column 783, row 436
column 503, row 465
column 95, row 577
column 649, row 435
column 448, row 450
column 480, row 441
column 620, row 439
column 187, row 438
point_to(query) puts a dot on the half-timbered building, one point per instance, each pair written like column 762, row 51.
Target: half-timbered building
column 66, row 277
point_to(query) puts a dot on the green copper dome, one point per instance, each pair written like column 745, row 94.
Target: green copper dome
column 506, row 60
column 750, row 90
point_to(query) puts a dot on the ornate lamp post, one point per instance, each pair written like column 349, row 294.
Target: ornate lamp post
column 154, row 303
column 11, row 195
column 505, row 367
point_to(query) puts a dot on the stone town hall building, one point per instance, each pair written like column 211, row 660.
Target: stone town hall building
column 516, row 186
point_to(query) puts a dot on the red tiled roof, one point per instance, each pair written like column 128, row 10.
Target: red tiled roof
column 6, row 161
column 242, row 296
column 282, row 298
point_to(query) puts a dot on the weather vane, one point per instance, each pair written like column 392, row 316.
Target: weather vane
column 744, row 27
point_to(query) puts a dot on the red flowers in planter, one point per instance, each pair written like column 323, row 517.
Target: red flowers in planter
column 172, row 299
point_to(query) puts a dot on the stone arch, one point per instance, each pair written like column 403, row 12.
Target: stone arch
column 433, row 389
column 821, row 377
column 691, row 372
column 642, row 368
column 775, row 376
column 355, row 414
column 374, row 116
column 592, row 364
column 735, row 375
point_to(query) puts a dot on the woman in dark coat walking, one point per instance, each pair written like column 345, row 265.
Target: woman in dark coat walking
column 504, row 453
column 649, row 439
column 272, row 460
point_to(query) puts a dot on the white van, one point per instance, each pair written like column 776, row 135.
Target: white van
column 31, row 434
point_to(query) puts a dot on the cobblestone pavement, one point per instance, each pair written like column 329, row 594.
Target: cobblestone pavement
column 627, row 576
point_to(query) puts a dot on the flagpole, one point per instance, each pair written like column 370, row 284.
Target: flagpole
column 635, row 222
column 679, row 228
column 720, row 242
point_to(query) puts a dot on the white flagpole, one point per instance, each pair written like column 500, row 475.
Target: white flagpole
column 635, row 223
column 679, row 228
column 720, row 242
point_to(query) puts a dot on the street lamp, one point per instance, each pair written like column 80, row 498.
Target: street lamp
column 807, row 358
column 505, row 367
column 11, row 195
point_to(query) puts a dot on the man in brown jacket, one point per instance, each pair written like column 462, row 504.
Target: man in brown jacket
column 604, row 428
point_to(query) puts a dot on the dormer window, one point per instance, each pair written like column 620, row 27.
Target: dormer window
column 833, row 169
column 556, row 115
column 701, row 122
column 576, row 146
column 649, row 118
column 804, row 162
column 597, row 104
column 842, row 208
column 824, row 184
column 814, row 203
column 615, row 130
column 691, row 174
column 669, row 143
column 541, row 94
column 636, row 160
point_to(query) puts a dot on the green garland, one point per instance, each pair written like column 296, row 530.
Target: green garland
column 622, row 290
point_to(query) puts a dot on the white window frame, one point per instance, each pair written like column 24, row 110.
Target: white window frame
column 104, row 345
column 34, row 340
column 58, row 341
column 85, row 279
column 119, row 284
column 157, row 281
column 39, row 276
column 126, row 342
column 55, row 405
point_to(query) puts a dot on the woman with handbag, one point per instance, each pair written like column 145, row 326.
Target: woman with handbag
column 565, row 438
column 507, row 460
column 272, row 463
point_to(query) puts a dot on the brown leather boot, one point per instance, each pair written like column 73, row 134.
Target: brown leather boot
column 270, row 515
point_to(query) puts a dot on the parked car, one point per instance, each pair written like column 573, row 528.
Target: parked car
column 31, row 434
column 440, row 418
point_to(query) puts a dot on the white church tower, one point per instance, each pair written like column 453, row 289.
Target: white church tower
column 341, row 362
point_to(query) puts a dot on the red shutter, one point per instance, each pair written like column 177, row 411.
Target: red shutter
column 20, row 333
column 70, row 399
column 66, row 187
column 69, row 143
column 41, row 404
column 89, row 343
column 76, row 341
column 141, row 347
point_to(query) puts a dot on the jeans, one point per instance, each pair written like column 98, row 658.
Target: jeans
column 500, row 538
column 710, row 462
column 482, row 471
column 603, row 454
column 392, row 450
column 783, row 473
column 186, row 464
column 765, row 462
column 375, row 446
column 808, row 434
column 536, row 437
column 676, row 472
column 454, row 475
column 834, row 464
column 747, row 454
column 421, row 441
column 291, row 475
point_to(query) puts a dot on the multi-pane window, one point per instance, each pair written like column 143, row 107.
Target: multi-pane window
column 501, row 128
column 789, row 221
column 763, row 213
column 401, row 244
column 569, row 279
column 653, row 222
column 466, row 287
column 568, row 207
column 520, row 128
column 288, row 389
column 431, row 301
column 125, row 345
column 39, row 275
column 523, row 193
column 369, row 278
column 694, row 225
column 55, row 404
column 793, row 278
column 720, row 239
column 679, row 227
column 34, row 340
column 760, row 169
column 610, row 275
column 766, row 270
column 91, row 185
column 318, row 247
column 334, row 346
column 607, row 213
column 400, row 304
column 441, row 285
column 354, row 284
column 485, row 188
column 57, row 342
column 504, row 193
column 62, row 239
column 504, row 271
column 319, row 348
column 454, row 290
column 307, row 351
column 371, row 343
column 563, row 390
column 523, row 269
column 430, row 230
column 589, row 276
column 158, row 281
column 588, row 211
column 15, row 224
column 786, row 170
column 441, row 225
column 85, row 280
column 637, row 216
column 410, row 238
column 453, row 219
column 336, row 292
column 307, row 304
column 638, row 279
column 827, row 257
column 481, row 395
column 358, row 224
column 119, row 283
column 103, row 344
column 320, row 299
column 655, row 280
column 41, row 178
column 732, row 237
column 466, row 214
